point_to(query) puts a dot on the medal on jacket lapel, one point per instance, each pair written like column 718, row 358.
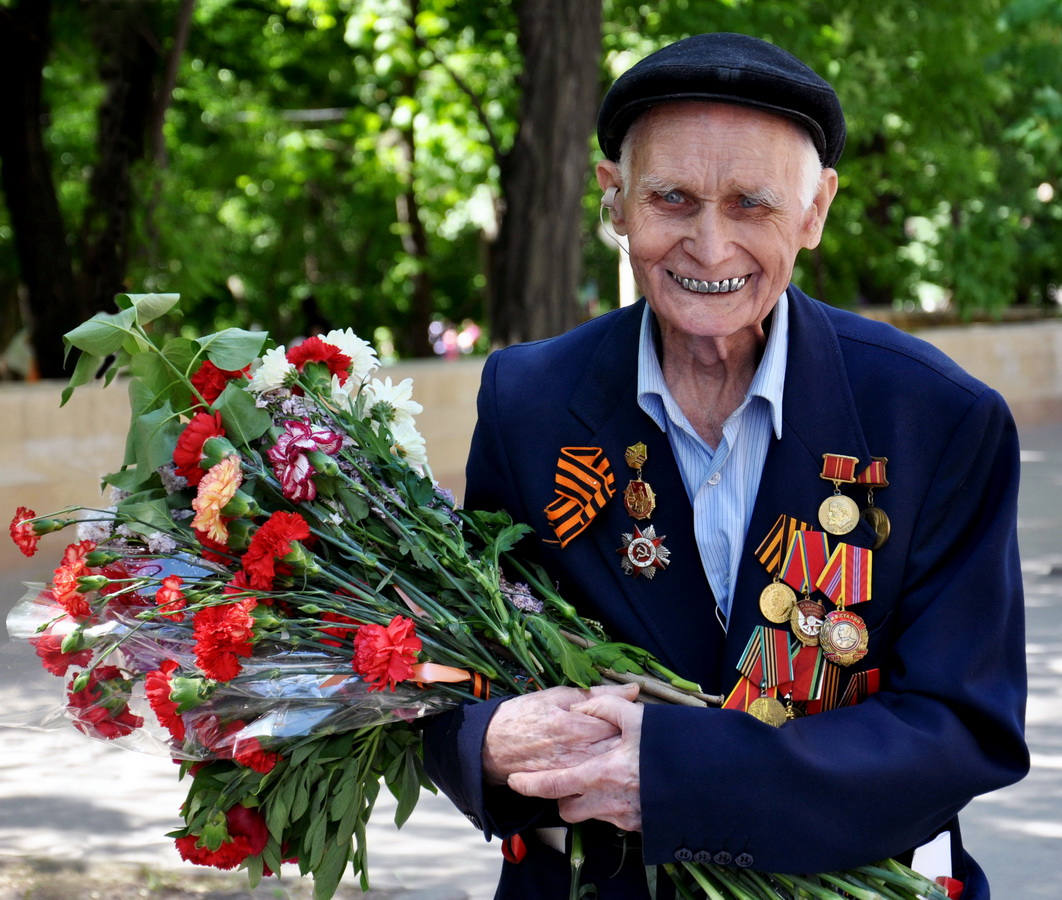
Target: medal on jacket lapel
column 766, row 663
column 873, row 476
column 846, row 580
column 778, row 598
column 838, row 513
column 642, row 551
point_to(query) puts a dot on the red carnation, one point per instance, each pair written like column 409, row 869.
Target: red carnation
column 248, row 836
column 21, row 531
column 49, row 648
column 169, row 599
column 223, row 634
column 270, row 542
column 313, row 349
column 157, row 688
column 252, row 754
column 210, row 381
column 100, row 708
column 384, row 655
column 64, row 580
column 189, row 449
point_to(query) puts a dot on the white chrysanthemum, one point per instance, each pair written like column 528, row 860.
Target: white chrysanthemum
column 342, row 396
column 362, row 354
column 273, row 371
column 392, row 403
column 409, row 445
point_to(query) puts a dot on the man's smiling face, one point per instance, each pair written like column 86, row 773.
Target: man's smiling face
column 714, row 212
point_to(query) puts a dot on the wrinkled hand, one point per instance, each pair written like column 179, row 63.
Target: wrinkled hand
column 590, row 778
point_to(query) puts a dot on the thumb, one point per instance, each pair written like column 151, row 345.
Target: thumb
column 625, row 691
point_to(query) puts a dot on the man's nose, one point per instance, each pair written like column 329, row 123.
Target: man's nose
column 709, row 237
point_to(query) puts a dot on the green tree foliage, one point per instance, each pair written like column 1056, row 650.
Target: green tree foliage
column 337, row 162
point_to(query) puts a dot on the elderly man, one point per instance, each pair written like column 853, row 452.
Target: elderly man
column 818, row 525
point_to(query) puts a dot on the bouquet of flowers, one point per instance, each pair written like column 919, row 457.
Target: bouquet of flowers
column 278, row 591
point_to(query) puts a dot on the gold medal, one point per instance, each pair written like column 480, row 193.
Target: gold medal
column 843, row 637
column 768, row 710
column 777, row 601
column 878, row 519
column 838, row 514
column 806, row 620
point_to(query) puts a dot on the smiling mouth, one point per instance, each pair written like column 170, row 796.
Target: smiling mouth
column 726, row 286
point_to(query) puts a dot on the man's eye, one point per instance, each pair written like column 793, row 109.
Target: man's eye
column 749, row 202
column 672, row 196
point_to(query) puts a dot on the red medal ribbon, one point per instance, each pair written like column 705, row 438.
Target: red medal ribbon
column 742, row 695
column 773, row 548
column 808, row 666
column 861, row 686
column 584, row 484
column 766, row 661
column 805, row 560
column 846, row 577
column 874, row 474
column 838, row 468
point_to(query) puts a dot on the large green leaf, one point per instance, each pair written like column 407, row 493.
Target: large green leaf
column 154, row 435
column 243, row 420
column 148, row 307
column 84, row 370
column 233, row 348
column 103, row 334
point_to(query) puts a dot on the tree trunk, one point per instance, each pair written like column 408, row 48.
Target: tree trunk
column 36, row 220
column 535, row 261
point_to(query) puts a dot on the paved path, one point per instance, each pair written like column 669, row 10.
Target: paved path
column 63, row 797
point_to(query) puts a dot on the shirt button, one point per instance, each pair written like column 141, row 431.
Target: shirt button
column 683, row 854
column 715, row 478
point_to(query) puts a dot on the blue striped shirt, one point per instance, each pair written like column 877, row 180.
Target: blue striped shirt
column 720, row 483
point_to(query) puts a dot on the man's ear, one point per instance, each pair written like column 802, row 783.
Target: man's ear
column 611, row 184
column 815, row 215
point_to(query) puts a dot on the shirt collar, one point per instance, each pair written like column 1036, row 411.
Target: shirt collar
column 768, row 382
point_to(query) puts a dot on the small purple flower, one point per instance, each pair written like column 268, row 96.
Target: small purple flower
column 520, row 596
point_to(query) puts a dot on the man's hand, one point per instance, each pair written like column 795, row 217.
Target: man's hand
column 595, row 780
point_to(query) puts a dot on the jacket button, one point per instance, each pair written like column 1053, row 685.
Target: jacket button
column 723, row 858
column 684, row 854
column 744, row 860
column 702, row 856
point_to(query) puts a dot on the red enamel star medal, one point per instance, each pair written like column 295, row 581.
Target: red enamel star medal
column 643, row 553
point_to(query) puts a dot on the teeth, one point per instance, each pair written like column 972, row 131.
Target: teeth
column 712, row 287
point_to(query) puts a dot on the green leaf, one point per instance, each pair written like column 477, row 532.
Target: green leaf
column 147, row 516
column 84, row 371
column 327, row 875
column 103, row 334
column 573, row 660
column 408, row 788
column 154, row 435
column 243, row 420
column 233, row 348
column 148, row 307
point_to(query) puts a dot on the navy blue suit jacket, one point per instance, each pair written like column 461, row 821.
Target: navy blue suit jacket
column 832, row 790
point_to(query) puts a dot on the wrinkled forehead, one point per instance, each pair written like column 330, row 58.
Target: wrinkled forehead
column 703, row 141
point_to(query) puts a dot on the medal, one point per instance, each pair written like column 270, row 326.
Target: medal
column 846, row 577
column 638, row 496
column 873, row 476
column 777, row 601
column 806, row 621
column 583, row 484
column 838, row 514
column 768, row 710
column 843, row 637
column 643, row 553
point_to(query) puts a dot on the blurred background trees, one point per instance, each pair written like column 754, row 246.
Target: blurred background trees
column 419, row 168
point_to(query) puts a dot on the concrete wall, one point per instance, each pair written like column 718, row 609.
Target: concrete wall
column 51, row 456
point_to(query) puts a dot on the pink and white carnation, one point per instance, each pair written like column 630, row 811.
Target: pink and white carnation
column 290, row 462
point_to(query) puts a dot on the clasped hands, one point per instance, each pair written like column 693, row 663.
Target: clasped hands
column 578, row 747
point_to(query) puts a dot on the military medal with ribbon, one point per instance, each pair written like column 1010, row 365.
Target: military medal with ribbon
column 838, row 513
column 642, row 551
column 803, row 563
column 778, row 598
column 846, row 581
column 873, row 476
column 766, row 668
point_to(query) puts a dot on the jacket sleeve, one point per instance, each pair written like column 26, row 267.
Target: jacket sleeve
column 844, row 787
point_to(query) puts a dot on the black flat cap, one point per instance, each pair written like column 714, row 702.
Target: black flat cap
column 726, row 68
